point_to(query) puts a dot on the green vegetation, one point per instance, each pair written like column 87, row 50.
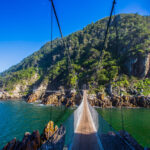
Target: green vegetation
column 131, row 42
column 22, row 76
column 143, row 86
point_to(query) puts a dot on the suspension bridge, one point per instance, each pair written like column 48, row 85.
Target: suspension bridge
column 87, row 129
column 85, row 133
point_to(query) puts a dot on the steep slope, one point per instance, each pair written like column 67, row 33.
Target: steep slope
column 46, row 69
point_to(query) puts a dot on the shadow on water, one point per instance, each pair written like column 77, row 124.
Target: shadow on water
column 105, row 141
column 85, row 142
column 113, row 142
column 69, row 125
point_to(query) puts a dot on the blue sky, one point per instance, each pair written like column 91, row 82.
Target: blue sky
column 25, row 24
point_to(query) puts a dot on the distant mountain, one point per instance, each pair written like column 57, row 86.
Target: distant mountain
column 128, row 52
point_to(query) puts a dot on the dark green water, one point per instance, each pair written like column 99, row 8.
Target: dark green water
column 18, row 117
column 136, row 122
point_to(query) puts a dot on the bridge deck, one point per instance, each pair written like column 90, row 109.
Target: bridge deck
column 85, row 135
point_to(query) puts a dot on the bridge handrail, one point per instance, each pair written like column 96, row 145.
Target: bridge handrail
column 101, row 130
column 77, row 115
column 94, row 115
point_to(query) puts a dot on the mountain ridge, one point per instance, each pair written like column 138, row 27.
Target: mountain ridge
column 130, row 54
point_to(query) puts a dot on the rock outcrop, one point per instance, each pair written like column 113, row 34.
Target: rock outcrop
column 51, row 137
column 38, row 93
column 53, row 99
column 116, row 101
column 138, row 66
column 48, row 131
column 58, row 98
column 29, row 142
column 56, row 141
column 19, row 90
column 99, row 100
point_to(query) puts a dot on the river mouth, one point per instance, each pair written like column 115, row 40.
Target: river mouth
column 135, row 121
column 18, row 117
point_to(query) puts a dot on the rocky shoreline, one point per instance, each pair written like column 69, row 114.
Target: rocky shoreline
column 71, row 99
column 50, row 137
column 54, row 138
column 116, row 101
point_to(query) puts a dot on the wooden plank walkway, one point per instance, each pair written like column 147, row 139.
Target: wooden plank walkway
column 85, row 137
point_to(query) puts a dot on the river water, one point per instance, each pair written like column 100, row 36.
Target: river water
column 135, row 121
column 18, row 117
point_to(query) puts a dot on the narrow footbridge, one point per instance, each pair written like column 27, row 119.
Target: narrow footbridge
column 89, row 131
column 86, row 133
column 86, row 129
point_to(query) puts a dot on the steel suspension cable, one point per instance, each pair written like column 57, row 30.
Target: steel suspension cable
column 56, row 18
column 106, row 34
column 51, row 50
column 116, row 31
column 70, row 67
column 98, row 67
column 118, row 54
column 59, row 28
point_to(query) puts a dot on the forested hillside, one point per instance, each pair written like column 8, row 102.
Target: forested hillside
column 125, row 62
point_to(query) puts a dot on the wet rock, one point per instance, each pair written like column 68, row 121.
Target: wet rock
column 38, row 93
column 117, row 101
column 51, row 100
column 68, row 99
column 29, row 142
column 11, row 145
column 56, row 141
column 48, row 131
column 140, row 101
column 32, row 98
column 100, row 100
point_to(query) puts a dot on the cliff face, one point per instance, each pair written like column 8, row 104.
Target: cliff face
column 127, row 54
column 139, row 66
column 19, row 90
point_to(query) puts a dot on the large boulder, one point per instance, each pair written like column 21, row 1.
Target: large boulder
column 56, row 141
column 51, row 100
column 48, row 131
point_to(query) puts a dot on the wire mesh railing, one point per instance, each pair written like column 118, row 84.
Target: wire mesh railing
column 109, row 137
column 71, row 124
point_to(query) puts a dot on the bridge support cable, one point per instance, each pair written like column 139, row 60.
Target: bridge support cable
column 56, row 18
column 100, row 58
column 106, row 33
column 119, row 69
column 69, row 63
column 69, row 67
column 51, row 50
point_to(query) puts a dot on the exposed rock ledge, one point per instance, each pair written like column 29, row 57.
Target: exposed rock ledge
column 57, row 99
column 5, row 95
column 115, row 101
column 52, row 136
column 72, row 98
